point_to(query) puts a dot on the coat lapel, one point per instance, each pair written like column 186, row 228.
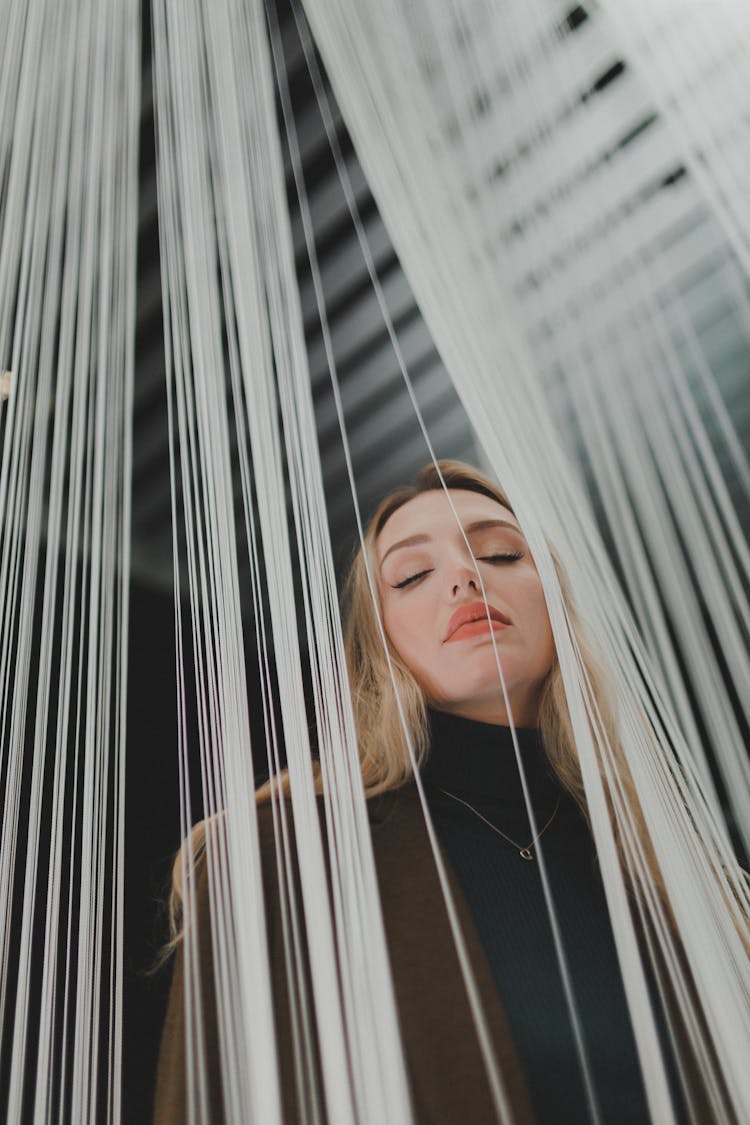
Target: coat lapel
column 446, row 1071
column 449, row 1079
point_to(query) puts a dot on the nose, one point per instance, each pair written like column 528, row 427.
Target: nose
column 463, row 579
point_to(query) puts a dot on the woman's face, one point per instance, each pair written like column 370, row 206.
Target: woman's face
column 434, row 614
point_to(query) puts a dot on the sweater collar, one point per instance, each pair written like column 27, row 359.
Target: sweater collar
column 477, row 760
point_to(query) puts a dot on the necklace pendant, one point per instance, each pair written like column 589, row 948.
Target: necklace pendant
column 525, row 853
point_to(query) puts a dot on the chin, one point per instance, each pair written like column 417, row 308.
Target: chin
column 487, row 694
column 481, row 676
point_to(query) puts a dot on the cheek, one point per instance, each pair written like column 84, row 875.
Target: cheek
column 540, row 625
column 407, row 625
column 524, row 596
column 402, row 626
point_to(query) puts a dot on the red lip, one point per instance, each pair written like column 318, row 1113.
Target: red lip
column 475, row 611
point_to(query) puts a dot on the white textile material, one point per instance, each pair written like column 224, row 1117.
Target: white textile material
column 458, row 126
column 69, row 116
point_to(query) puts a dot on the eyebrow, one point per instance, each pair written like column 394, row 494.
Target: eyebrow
column 478, row 525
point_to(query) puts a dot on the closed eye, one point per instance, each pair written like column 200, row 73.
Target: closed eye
column 408, row 581
column 508, row 556
column 504, row 557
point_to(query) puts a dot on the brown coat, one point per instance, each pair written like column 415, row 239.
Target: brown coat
column 447, row 1076
column 446, row 1071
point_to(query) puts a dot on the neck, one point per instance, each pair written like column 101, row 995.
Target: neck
column 475, row 759
column 493, row 710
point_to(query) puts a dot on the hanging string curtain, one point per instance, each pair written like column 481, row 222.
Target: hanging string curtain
column 442, row 248
column 69, row 114
column 223, row 207
column 565, row 245
column 240, row 409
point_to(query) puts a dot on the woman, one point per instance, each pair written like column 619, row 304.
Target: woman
column 440, row 635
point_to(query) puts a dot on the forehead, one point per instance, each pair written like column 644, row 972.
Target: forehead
column 430, row 513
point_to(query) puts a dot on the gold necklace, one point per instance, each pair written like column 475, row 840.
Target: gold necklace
column 525, row 853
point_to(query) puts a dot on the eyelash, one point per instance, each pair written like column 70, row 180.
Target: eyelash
column 509, row 556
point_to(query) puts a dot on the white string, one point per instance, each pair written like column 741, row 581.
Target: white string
column 627, row 301
column 371, row 1008
column 407, row 225
column 698, row 124
column 493, row 1074
column 241, row 149
column 68, row 200
column 626, row 951
column 204, row 597
column 632, row 948
column 566, row 981
column 725, row 734
column 499, row 1094
column 68, row 159
column 193, row 1005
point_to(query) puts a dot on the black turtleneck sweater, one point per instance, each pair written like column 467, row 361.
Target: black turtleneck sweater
column 477, row 762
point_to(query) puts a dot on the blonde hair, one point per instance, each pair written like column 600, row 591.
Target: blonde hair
column 383, row 749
